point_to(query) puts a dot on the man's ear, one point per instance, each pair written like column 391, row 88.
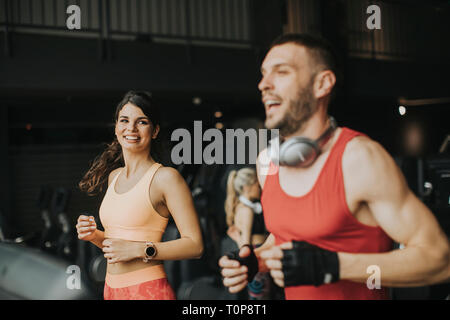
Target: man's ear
column 324, row 83
column 155, row 132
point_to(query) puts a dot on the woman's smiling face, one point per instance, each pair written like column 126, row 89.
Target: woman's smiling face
column 134, row 130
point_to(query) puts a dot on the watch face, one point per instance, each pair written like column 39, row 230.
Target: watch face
column 150, row 251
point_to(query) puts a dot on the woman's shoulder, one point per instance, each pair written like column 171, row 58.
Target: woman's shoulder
column 113, row 174
column 167, row 175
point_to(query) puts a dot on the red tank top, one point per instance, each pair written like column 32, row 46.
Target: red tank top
column 322, row 217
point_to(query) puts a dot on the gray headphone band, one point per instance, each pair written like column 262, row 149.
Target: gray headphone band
column 321, row 140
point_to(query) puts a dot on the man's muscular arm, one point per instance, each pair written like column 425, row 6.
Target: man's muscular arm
column 372, row 177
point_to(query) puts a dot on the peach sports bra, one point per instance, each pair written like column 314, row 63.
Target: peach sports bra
column 130, row 215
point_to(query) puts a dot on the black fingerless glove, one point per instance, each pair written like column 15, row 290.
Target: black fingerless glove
column 306, row 264
column 251, row 262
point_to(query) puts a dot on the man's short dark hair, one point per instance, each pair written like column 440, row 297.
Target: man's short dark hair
column 320, row 50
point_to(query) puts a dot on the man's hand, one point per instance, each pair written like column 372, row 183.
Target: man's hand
column 272, row 258
column 301, row 263
column 234, row 275
column 118, row 250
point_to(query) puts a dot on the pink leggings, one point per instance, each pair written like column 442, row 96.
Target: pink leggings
column 145, row 284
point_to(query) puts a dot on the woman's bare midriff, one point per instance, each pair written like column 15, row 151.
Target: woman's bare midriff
column 129, row 266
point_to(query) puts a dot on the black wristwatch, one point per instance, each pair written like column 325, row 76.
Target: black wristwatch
column 150, row 251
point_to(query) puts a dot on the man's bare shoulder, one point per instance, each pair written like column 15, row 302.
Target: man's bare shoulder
column 363, row 152
column 368, row 167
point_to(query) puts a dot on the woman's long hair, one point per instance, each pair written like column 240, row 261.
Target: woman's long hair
column 111, row 158
column 235, row 186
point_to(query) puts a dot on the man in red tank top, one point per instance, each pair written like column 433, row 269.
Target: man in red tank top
column 332, row 221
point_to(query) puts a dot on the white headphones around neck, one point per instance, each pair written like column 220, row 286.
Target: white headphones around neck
column 255, row 206
column 300, row 151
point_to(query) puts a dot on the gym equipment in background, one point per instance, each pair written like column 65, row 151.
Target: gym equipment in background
column 93, row 264
column 50, row 231
column 5, row 230
column 429, row 179
column 66, row 241
column 58, row 235
column 2, row 226
column 28, row 273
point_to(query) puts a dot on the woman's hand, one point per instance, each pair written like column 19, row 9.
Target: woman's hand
column 118, row 250
column 86, row 228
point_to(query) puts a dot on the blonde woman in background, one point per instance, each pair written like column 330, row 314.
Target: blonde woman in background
column 243, row 210
column 246, row 223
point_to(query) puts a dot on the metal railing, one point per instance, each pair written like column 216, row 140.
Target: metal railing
column 409, row 29
column 216, row 20
column 225, row 22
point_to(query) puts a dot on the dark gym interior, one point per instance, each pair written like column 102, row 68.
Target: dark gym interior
column 59, row 89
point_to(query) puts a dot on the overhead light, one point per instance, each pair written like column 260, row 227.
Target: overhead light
column 401, row 110
column 197, row 101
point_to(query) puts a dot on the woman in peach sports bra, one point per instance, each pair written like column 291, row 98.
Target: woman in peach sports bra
column 135, row 210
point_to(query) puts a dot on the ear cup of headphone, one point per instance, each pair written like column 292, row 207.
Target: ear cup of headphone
column 298, row 151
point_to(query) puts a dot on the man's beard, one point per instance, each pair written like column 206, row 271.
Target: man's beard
column 299, row 112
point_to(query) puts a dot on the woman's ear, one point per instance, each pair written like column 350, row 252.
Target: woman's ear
column 155, row 132
column 324, row 83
